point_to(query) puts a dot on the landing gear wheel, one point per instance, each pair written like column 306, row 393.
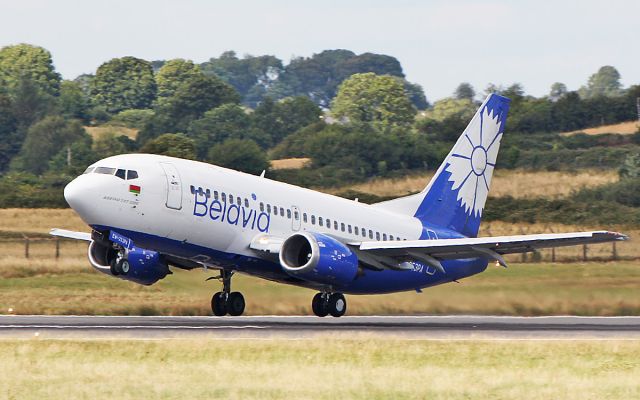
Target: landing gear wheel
column 337, row 305
column 113, row 267
column 219, row 304
column 123, row 266
column 319, row 305
column 235, row 304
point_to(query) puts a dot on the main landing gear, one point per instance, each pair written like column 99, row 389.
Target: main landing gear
column 227, row 302
column 324, row 304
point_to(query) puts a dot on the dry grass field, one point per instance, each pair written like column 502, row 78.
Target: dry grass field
column 515, row 183
column 322, row 368
column 624, row 128
column 290, row 163
column 96, row 131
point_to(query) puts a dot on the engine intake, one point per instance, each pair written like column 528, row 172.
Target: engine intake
column 318, row 258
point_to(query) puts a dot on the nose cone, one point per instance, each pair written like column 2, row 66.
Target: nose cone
column 73, row 194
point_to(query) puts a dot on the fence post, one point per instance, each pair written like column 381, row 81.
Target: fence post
column 584, row 252
column 26, row 248
column 614, row 251
column 57, row 248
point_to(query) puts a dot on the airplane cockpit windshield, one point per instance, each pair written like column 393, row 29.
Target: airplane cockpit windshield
column 120, row 173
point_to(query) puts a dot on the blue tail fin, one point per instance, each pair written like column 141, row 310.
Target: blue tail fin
column 456, row 195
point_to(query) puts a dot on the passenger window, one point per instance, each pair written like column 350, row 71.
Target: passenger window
column 349, row 228
column 313, row 220
column 377, row 235
column 304, row 217
column 261, row 206
column 320, row 221
column 355, row 230
column 208, row 193
column 328, row 223
column 231, row 198
column 268, row 208
column 281, row 212
column 370, row 234
column 335, row 225
column 391, row 237
column 364, row 232
column 384, row 236
column 105, row 170
column 132, row 174
column 193, row 189
column 224, row 197
column 215, row 194
column 88, row 170
column 288, row 213
column 246, row 203
column 239, row 201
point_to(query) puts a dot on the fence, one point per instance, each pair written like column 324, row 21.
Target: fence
column 56, row 248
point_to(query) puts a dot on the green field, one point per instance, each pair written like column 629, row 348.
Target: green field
column 70, row 286
column 323, row 368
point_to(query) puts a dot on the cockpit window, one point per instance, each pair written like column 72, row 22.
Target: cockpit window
column 132, row 174
column 105, row 170
column 121, row 173
column 88, row 170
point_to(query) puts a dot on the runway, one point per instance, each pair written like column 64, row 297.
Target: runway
column 427, row 327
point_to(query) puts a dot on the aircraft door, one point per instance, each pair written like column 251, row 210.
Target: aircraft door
column 174, row 187
column 295, row 218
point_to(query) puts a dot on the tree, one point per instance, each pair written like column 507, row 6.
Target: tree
column 45, row 139
column 107, row 144
column 72, row 100
column 10, row 139
column 193, row 98
column 276, row 120
column 218, row 125
column 558, row 89
column 239, row 154
column 377, row 99
column 31, row 62
column 123, row 84
column 465, row 91
column 171, row 144
column 605, row 82
column 415, row 94
column 173, row 73
column 450, row 107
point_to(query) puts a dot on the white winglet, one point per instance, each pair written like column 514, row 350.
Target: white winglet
column 70, row 234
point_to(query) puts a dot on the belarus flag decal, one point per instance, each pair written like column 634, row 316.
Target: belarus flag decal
column 135, row 189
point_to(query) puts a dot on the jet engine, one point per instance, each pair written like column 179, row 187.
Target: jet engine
column 134, row 264
column 318, row 258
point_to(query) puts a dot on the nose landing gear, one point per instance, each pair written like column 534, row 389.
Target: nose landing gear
column 227, row 302
column 324, row 304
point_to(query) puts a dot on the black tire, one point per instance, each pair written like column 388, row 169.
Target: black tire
column 219, row 304
column 113, row 266
column 235, row 304
column 337, row 305
column 319, row 305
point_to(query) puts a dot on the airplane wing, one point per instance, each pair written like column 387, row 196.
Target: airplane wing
column 394, row 254
column 70, row 234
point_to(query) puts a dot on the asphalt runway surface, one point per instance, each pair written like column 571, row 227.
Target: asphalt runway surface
column 420, row 327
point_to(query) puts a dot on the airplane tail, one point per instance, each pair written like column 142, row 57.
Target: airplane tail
column 455, row 196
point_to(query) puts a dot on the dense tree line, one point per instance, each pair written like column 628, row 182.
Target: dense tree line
column 355, row 116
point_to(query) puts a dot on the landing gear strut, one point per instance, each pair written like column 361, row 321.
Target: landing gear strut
column 324, row 304
column 227, row 302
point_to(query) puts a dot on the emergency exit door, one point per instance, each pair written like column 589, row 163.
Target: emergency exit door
column 174, row 187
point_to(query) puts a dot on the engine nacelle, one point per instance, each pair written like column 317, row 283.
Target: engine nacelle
column 144, row 266
column 318, row 258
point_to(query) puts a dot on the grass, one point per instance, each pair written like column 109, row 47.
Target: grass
column 43, row 285
column 515, row 183
column 97, row 131
column 325, row 368
column 623, row 128
column 290, row 163
column 39, row 220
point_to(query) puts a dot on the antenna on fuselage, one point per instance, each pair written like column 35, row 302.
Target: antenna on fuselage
column 262, row 173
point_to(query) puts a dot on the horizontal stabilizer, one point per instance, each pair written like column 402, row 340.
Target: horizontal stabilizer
column 70, row 234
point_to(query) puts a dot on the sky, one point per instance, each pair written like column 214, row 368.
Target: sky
column 438, row 43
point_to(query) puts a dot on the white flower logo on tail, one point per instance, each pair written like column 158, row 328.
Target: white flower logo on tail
column 473, row 159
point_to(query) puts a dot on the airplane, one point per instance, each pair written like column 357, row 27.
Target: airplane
column 149, row 213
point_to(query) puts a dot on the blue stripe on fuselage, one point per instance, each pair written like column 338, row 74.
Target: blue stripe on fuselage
column 369, row 282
